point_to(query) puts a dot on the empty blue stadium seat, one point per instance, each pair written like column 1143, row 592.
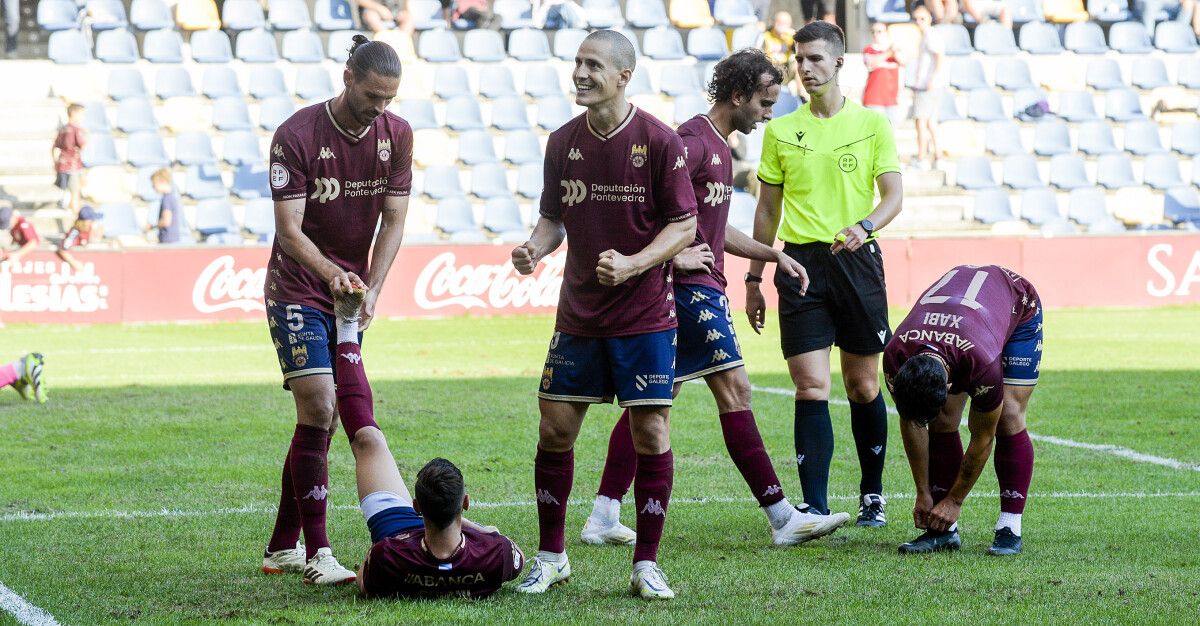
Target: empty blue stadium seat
column 266, row 82
column 313, row 83
column 1150, row 72
column 663, row 44
column 887, row 11
column 229, row 113
column 56, row 15
column 145, row 149
column 994, row 38
column 741, row 211
column 543, row 80
column 462, row 114
column 135, row 114
column 1185, row 139
column 1030, row 104
column 646, row 13
column 426, row 14
column 438, row 46
column 163, row 46
column 302, row 46
column 1123, row 105
column 1077, row 106
column 126, row 83
column 220, row 82
column 552, row 112
column 148, row 15
column 204, row 182
column 983, row 105
column 1067, row 172
column 1085, row 38
column 257, row 46
column 1056, row 226
column 1189, row 75
column 475, row 147
column 1109, row 10
column 225, row 239
column 949, row 109
column 107, row 14
column 966, row 74
column 95, row 119
column 992, row 205
column 211, row 46
column 1096, row 138
column 288, row 15
column 340, row 43
column 1023, row 11
column 1142, row 138
column 214, row 216
column 441, row 181
column 454, row 215
column 529, row 179
column 496, row 82
column 274, row 111
column 1161, row 171
column 785, row 104
column 521, row 147
column 1013, row 75
column 489, row 180
column 603, row 13
column 566, row 43
column 509, row 114
column 241, row 148
column 239, row 15
column 119, row 220
column 1104, row 75
column 956, row 39
column 418, row 113
column 689, row 106
column 332, row 15
column 707, row 44
column 1039, row 206
column 259, row 218
column 1040, row 38
column 679, row 80
column 514, row 14
column 1182, row 205
column 1114, row 171
column 529, row 44
column 483, row 46
column 250, row 180
column 974, row 172
column 1086, row 205
column 734, row 13
column 1003, row 138
column 116, row 46
column 100, row 150
column 450, row 81
column 1129, row 38
column 1021, row 172
column 194, row 149
column 173, row 82
column 501, row 214
column 1175, row 37
column 1051, row 137
column 143, row 186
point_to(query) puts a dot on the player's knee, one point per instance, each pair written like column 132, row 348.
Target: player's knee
column 808, row 388
column 734, row 395
column 862, row 391
column 367, row 439
column 315, row 410
column 651, row 431
column 555, row 436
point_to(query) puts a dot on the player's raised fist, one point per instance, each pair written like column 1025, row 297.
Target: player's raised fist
column 697, row 258
column 522, row 258
column 614, row 268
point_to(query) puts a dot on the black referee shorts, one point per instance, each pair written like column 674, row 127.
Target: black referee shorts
column 846, row 303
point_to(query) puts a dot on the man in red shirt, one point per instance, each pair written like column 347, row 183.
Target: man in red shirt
column 24, row 235
column 883, row 78
column 68, row 156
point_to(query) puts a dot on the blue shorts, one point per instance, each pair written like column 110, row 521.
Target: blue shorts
column 304, row 338
column 388, row 515
column 639, row 369
column 1022, row 356
column 707, row 343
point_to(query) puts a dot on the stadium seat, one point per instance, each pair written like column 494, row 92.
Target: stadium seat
column 1142, row 138
column 438, row 46
column 1021, row 172
column 1051, row 137
column 785, row 104
column 1175, row 37
column 211, row 46
column 734, row 13
column 509, row 114
column 974, row 172
column 529, row 44
column 1039, row 206
column 340, row 42
column 332, row 15
column 426, row 14
column 483, row 46
column 741, row 211
column 475, row 147
column 521, row 147
column 220, row 82
column 1114, row 171
column 1161, row 171
column 145, row 149
column 116, row 46
column 400, row 41
column 266, row 82
column 418, row 113
column 100, row 150
column 1086, row 205
column 707, row 44
column 288, row 15
column 239, row 15
column 163, row 46
column 95, row 119
column 529, row 179
column 302, row 46
column 994, row 38
column 1109, row 10
column 231, row 114
column 663, row 44
column 679, row 80
column 442, row 181
column 949, row 110
column 173, row 82
column 553, row 112
column 1023, row 11
column 1189, row 75
column 489, row 180
column 1104, row 75
column 689, row 106
column 983, row 105
column 463, row 114
column 197, row 15
column 259, row 219
column 274, row 111
column 1054, row 226
column 126, row 83
column 646, row 13
column 956, row 39
column 1129, row 38
column 433, row 146
column 1030, row 104
column 1003, row 138
column 143, row 187
column 1040, row 38
column 496, row 82
column 1123, row 105
column 1085, row 38
column 214, row 217
column 1067, row 172
column 454, row 215
column 746, row 36
column 603, row 13
column 224, row 238
column 194, row 149
column 450, row 81
column 686, row 14
column 119, row 220
column 501, row 214
column 992, row 205
column 241, row 148
column 203, row 182
column 1150, row 72
column 135, row 114
column 639, row 83
column 1077, row 106
column 1181, row 205
column 514, row 14
column 56, row 15
column 106, row 15
column 313, row 83
column 1096, row 138
column 966, row 74
column 1013, row 75
column 1185, row 139
column 566, row 43
column 256, row 46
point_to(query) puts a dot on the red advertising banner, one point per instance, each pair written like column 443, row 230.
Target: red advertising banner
column 203, row 283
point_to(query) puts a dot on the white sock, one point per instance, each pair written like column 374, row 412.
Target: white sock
column 779, row 513
column 19, row 365
column 1012, row 521
column 347, row 330
column 552, row 557
column 606, row 510
column 953, row 527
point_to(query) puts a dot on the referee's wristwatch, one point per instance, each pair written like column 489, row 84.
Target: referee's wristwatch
column 868, row 226
column 751, row 278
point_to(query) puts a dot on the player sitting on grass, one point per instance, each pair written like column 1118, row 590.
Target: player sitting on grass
column 25, row 375
column 421, row 547
column 978, row 332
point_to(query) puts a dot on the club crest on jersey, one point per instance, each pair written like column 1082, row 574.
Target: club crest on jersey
column 575, row 155
column 638, row 154
column 385, row 149
column 300, row 355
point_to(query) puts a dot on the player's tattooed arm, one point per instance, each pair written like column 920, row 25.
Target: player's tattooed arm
column 548, row 235
column 289, row 216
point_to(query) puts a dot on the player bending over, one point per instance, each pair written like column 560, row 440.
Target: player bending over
column 25, row 375
column 977, row 331
column 421, row 547
column 744, row 87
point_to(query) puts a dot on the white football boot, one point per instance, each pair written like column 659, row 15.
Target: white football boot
column 323, row 569
column 598, row 533
column 286, row 561
column 649, row 582
column 804, row 526
column 545, row 574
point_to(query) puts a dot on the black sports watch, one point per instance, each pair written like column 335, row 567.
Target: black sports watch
column 868, row 226
column 751, row 278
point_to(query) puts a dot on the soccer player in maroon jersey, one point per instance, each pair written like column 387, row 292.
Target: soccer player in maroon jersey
column 743, row 89
column 337, row 169
column 977, row 332
column 627, row 206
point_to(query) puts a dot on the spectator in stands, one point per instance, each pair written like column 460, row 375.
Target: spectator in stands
column 947, row 11
column 988, row 10
column 12, row 25
column 169, row 223
column 929, row 83
column 84, row 231
column 883, row 73
column 67, row 153
column 470, row 14
column 1178, row 10
column 825, row 10
column 24, row 235
column 556, row 14
column 777, row 43
column 381, row 15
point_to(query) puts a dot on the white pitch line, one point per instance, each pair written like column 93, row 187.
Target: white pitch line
column 1118, row 451
column 26, row 613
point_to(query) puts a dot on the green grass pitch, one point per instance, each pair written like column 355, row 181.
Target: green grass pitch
column 145, row 490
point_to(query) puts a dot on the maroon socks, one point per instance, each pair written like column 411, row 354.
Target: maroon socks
column 553, row 473
column 651, row 494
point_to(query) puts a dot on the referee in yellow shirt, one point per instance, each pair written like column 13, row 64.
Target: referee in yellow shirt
column 819, row 170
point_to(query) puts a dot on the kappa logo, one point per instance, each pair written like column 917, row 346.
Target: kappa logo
column 319, row 492
column 713, row 335
column 679, row 163
column 277, row 344
column 575, row 155
column 720, row 355
column 640, row 382
column 352, row 357
column 325, row 189
column 326, row 153
column 574, row 192
column 698, row 296
column 1011, row 494
column 716, row 160
column 772, row 490
column 277, row 151
column 653, row 507
column 982, row 389
column 638, row 154
column 877, row 450
column 706, row 315
column 384, row 146
column 544, row 497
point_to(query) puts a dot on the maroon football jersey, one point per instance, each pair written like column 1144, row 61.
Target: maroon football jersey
column 402, row 566
column 345, row 179
column 966, row 317
column 615, row 191
column 710, row 164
